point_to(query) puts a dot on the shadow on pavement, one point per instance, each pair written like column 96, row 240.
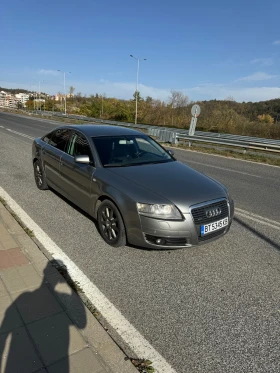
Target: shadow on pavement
column 257, row 233
column 35, row 331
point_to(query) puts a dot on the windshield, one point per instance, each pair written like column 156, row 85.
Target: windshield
column 124, row 151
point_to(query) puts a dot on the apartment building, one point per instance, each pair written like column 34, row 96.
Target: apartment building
column 22, row 97
column 8, row 100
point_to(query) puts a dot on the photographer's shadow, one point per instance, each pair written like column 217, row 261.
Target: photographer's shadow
column 35, row 332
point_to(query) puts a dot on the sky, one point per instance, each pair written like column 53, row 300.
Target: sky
column 205, row 49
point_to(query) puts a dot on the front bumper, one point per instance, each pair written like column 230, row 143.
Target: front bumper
column 160, row 234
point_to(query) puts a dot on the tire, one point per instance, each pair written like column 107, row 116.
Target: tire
column 39, row 175
column 110, row 224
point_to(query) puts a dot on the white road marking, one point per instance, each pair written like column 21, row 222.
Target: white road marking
column 223, row 156
column 225, row 169
column 129, row 334
column 257, row 218
column 20, row 134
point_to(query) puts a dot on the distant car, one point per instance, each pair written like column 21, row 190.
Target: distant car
column 135, row 189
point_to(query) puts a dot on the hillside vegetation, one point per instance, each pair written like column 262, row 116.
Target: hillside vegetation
column 261, row 119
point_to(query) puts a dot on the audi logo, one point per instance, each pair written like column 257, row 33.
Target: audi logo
column 210, row 213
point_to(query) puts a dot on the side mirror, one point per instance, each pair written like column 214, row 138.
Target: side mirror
column 171, row 152
column 82, row 159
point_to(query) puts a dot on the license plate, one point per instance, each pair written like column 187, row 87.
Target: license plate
column 212, row 227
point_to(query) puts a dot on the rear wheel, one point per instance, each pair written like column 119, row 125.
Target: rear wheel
column 110, row 224
column 40, row 178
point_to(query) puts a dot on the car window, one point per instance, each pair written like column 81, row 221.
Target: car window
column 129, row 151
column 47, row 137
column 146, row 146
column 78, row 145
column 59, row 138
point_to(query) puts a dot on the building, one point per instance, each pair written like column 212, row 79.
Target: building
column 59, row 97
column 8, row 100
column 23, row 98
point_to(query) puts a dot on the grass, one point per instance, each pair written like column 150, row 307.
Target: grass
column 142, row 365
column 28, row 231
column 3, row 201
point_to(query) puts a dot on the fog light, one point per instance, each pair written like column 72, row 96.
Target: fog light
column 160, row 241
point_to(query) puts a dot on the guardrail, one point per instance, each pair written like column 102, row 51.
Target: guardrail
column 176, row 135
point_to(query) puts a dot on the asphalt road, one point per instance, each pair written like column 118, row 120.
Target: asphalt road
column 211, row 309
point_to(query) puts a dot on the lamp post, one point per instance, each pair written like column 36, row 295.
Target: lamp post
column 39, row 81
column 34, row 95
column 64, row 73
column 137, row 75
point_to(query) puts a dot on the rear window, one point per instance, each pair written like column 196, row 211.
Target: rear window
column 58, row 138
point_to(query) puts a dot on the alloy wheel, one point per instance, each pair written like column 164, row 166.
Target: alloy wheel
column 109, row 223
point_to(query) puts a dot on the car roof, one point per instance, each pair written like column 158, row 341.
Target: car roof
column 98, row 130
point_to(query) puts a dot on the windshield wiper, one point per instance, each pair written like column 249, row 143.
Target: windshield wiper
column 118, row 165
column 152, row 162
column 136, row 163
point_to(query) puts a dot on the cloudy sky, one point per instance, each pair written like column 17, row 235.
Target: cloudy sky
column 206, row 49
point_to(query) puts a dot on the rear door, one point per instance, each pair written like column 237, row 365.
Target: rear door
column 52, row 152
column 76, row 178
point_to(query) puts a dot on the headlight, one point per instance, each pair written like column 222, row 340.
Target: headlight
column 159, row 211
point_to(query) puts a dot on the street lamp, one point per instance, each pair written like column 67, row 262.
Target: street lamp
column 34, row 95
column 39, row 81
column 136, row 98
column 64, row 72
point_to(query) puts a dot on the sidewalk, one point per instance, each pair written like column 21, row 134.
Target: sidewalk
column 44, row 326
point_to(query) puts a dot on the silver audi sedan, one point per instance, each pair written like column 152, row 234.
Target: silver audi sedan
column 134, row 188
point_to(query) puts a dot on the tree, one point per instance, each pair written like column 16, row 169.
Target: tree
column 229, row 98
column 30, row 104
column 178, row 99
column 266, row 118
column 71, row 91
column 137, row 94
column 149, row 99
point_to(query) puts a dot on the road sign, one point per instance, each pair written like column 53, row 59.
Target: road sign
column 195, row 110
column 192, row 126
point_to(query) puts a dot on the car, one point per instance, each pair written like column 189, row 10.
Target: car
column 136, row 190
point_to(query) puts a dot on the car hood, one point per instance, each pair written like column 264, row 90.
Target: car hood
column 174, row 181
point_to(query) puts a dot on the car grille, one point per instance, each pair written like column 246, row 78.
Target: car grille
column 199, row 213
column 200, row 218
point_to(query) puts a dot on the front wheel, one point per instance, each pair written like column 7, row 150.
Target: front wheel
column 40, row 178
column 110, row 224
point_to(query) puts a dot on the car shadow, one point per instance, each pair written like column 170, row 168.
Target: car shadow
column 78, row 209
column 257, row 233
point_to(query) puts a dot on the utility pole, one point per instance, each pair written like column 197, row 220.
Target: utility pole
column 40, row 81
column 137, row 75
column 64, row 73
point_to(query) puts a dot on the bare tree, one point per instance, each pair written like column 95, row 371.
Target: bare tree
column 178, row 100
